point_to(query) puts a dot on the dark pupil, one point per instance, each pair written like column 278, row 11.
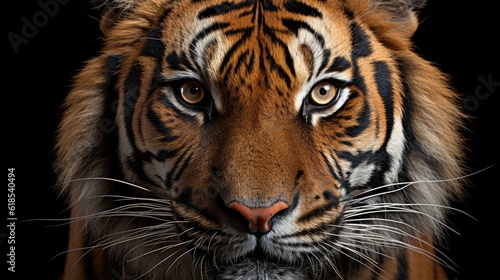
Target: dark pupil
column 194, row 90
column 323, row 91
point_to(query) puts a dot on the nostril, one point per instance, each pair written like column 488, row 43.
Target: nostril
column 258, row 217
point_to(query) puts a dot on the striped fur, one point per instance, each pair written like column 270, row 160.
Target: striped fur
column 367, row 177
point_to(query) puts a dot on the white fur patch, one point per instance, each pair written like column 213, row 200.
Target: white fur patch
column 361, row 174
column 395, row 147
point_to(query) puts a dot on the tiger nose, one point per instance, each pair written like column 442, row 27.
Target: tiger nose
column 259, row 217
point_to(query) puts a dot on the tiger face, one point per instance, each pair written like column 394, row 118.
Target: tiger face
column 259, row 140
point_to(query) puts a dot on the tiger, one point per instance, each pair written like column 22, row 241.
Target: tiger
column 259, row 139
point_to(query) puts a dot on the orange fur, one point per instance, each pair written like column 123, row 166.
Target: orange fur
column 361, row 183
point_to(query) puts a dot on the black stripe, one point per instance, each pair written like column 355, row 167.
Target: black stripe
column 318, row 212
column 379, row 158
column 300, row 8
column 347, row 143
column 402, row 267
column 108, row 124
column 163, row 155
column 169, row 178
column 363, row 120
column 288, row 57
column 225, row 62
column 137, row 160
column 251, row 62
column 113, row 63
column 347, row 12
column 245, row 30
column 275, row 66
column 262, row 66
column 339, row 64
column 321, row 229
column 330, row 167
column 160, row 125
column 361, row 46
column 325, row 59
column 298, row 176
column 222, row 8
column 132, row 86
column 136, row 163
column 178, row 62
column 355, row 160
column 183, row 167
column 385, row 89
column 241, row 60
column 408, row 108
column 199, row 37
column 267, row 5
column 295, row 25
column 154, row 46
column 208, row 30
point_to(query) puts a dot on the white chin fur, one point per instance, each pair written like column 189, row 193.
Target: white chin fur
column 252, row 269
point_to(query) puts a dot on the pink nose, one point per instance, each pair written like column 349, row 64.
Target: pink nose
column 259, row 217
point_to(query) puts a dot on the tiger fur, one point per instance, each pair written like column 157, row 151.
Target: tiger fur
column 259, row 140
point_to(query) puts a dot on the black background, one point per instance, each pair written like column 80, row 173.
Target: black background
column 458, row 36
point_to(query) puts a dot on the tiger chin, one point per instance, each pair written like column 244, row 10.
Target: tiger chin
column 259, row 140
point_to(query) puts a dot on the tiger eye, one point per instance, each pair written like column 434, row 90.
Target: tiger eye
column 192, row 92
column 323, row 93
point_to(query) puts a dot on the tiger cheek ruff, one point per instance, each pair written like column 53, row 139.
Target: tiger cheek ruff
column 259, row 140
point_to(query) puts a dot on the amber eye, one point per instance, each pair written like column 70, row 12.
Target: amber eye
column 323, row 93
column 192, row 92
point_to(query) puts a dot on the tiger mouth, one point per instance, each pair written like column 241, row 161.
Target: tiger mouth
column 257, row 255
column 258, row 266
column 259, row 259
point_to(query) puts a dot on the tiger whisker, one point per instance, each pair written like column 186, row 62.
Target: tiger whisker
column 363, row 236
column 389, row 208
column 330, row 263
column 386, row 241
column 161, row 249
column 178, row 259
column 104, row 214
column 369, row 226
column 103, row 179
column 407, row 184
column 119, row 198
column 159, row 263
column 454, row 209
column 356, row 253
column 138, row 236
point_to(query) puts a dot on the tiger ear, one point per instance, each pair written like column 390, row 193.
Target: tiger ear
column 402, row 12
column 112, row 11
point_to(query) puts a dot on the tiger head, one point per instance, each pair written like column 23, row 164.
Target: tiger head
column 258, row 140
